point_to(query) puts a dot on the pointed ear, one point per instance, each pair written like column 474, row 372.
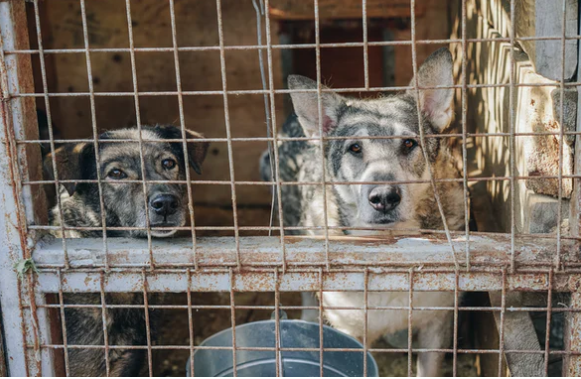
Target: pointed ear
column 196, row 150
column 73, row 161
column 436, row 104
column 306, row 106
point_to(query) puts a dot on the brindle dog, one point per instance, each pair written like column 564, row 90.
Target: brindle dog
column 125, row 206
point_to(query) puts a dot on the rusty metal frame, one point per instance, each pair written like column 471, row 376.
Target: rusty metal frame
column 428, row 261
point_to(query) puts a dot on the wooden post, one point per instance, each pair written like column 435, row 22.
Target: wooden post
column 572, row 364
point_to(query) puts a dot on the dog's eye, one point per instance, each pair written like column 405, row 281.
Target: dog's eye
column 355, row 148
column 409, row 144
column 116, row 174
column 168, row 164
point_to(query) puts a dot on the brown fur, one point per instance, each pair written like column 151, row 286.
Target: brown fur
column 125, row 206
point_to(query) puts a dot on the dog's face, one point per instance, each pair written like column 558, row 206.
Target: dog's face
column 359, row 156
column 126, row 202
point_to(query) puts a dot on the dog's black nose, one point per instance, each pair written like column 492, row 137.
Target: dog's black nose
column 164, row 205
column 384, row 199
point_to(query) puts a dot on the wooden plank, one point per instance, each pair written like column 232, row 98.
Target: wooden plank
column 572, row 364
column 488, row 112
column 519, row 334
column 337, row 9
column 538, row 18
column 575, row 220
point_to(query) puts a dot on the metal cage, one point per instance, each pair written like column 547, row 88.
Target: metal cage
column 33, row 266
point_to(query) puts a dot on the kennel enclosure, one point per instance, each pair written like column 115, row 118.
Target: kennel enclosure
column 38, row 270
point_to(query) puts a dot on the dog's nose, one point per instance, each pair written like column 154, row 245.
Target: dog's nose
column 384, row 199
column 164, row 205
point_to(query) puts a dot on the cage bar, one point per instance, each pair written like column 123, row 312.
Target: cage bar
column 409, row 262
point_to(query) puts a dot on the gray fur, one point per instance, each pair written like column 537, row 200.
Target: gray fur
column 125, row 206
column 374, row 160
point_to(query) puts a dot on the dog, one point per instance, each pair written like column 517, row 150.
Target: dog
column 387, row 207
column 125, row 205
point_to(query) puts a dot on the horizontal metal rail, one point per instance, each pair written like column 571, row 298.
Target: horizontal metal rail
column 388, row 261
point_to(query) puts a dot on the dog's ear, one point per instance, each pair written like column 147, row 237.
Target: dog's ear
column 74, row 162
column 196, row 150
column 306, row 106
column 436, row 104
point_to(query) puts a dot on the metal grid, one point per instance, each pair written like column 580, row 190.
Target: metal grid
column 492, row 262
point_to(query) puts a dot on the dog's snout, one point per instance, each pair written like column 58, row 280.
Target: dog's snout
column 164, row 205
column 384, row 199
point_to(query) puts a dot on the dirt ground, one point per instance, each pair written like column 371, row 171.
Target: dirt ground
column 173, row 330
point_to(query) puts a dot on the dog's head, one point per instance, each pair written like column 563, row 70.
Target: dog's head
column 125, row 199
column 361, row 159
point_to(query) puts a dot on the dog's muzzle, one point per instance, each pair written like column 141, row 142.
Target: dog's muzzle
column 165, row 205
column 379, row 204
column 165, row 213
column 384, row 198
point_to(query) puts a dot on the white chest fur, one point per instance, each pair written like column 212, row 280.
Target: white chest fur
column 381, row 322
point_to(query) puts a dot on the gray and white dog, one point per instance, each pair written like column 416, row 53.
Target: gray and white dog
column 387, row 207
column 125, row 205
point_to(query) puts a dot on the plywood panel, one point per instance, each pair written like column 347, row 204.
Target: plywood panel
column 333, row 9
column 200, row 71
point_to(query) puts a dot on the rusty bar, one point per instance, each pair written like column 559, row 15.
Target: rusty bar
column 455, row 338
column 366, row 320
column 501, row 351
column 572, row 359
column 34, row 323
column 321, row 134
column 190, row 322
column 138, row 119
column 49, row 122
column 11, row 51
column 259, row 12
column 183, row 128
column 228, row 128
column 233, row 321
column 299, row 307
column 422, row 136
column 511, row 120
column 254, row 183
column 464, row 139
column 266, row 228
column 281, row 91
column 365, row 46
column 95, row 133
column 104, row 320
column 410, row 330
column 561, row 140
column 185, row 347
column 277, row 334
column 63, row 325
column 548, row 324
column 271, row 139
column 271, row 93
column 488, row 250
column 147, row 323
column 321, row 317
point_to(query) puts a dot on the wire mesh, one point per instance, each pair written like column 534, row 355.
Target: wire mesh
column 514, row 261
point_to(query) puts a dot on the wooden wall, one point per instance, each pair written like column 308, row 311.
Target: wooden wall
column 535, row 110
column 200, row 71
